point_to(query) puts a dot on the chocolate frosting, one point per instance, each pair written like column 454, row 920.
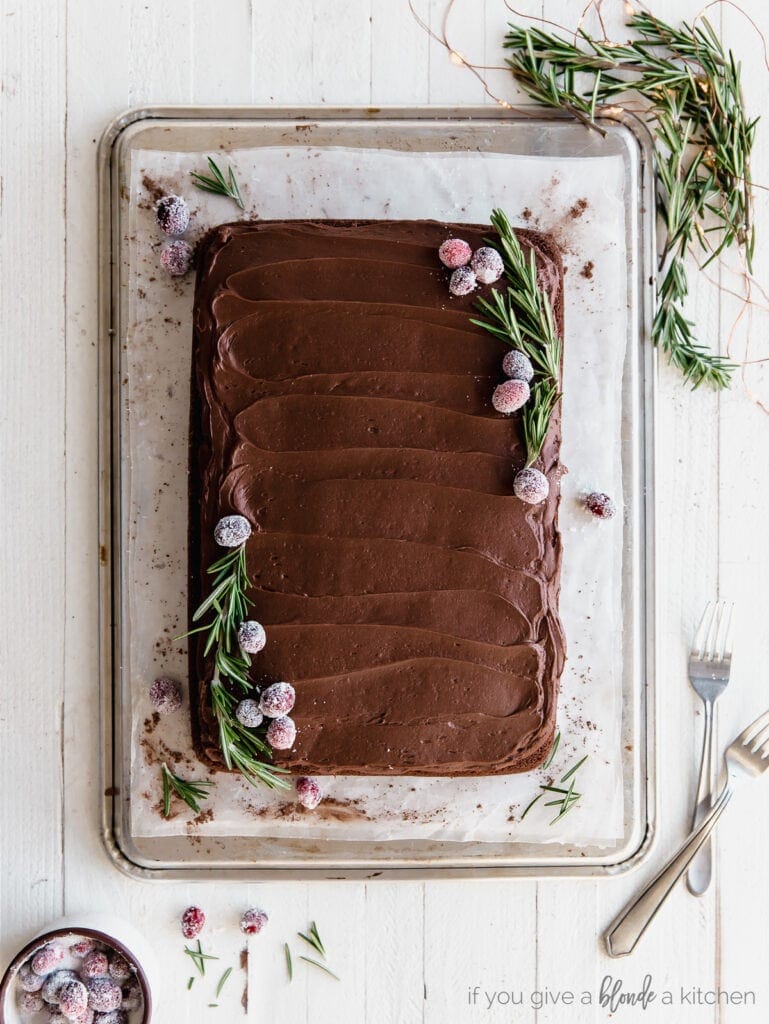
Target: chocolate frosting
column 341, row 401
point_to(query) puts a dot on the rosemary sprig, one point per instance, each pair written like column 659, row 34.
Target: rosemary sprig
column 522, row 316
column 703, row 143
column 191, row 792
column 289, row 961
column 218, row 183
column 322, row 967
column 243, row 749
column 566, row 798
column 313, row 939
column 223, row 981
column 199, row 958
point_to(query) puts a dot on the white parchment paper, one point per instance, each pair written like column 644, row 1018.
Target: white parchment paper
column 579, row 200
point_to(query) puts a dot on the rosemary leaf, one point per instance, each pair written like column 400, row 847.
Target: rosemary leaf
column 223, row 981
column 191, row 792
column 289, row 962
column 323, row 967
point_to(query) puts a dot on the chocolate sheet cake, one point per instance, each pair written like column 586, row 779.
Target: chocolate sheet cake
column 341, row 403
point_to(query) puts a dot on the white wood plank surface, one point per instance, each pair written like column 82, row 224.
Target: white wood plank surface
column 410, row 952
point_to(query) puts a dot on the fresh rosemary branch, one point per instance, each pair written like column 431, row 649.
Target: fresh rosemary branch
column 522, row 316
column 218, row 184
column 243, row 749
column 565, row 798
column 190, row 792
column 703, row 143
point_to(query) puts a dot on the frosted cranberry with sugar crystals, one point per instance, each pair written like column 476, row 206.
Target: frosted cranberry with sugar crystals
column 104, row 994
column 308, row 791
column 462, row 281
column 600, row 505
column 95, row 965
column 454, row 252
column 113, row 1017
column 73, row 998
column 253, row 921
column 277, row 700
column 119, row 968
column 50, row 956
column 531, row 486
column 165, row 695
column 193, row 920
column 29, row 980
column 510, row 396
column 487, row 265
column 249, row 714
column 517, row 365
column 176, row 257
column 281, row 733
column 54, row 984
column 82, row 947
column 172, row 215
column 30, row 1002
column 251, row 636
column 232, row 531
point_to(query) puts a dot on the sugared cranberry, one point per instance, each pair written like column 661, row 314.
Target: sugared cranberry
column 462, row 281
column 176, row 257
column 249, row 714
column 30, row 1002
column 454, row 252
column 165, row 695
column 253, row 921
column 73, row 998
column 487, row 265
column 85, row 1016
column 510, row 396
column 308, row 791
column 193, row 920
column 232, row 531
column 104, row 994
column 95, row 965
column 281, row 733
column 277, row 700
column 173, row 215
column 119, row 968
column 82, row 947
column 600, row 505
column 251, row 636
column 56, row 1017
column 54, row 984
column 47, row 958
column 531, row 486
column 517, row 365
column 29, row 980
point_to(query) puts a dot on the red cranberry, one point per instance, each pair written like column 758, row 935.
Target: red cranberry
column 82, row 947
column 104, row 994
column 173, row 215
column 95, row 965
column 309, row 793
column 119, row 968
column 253, row 921
column 531, row 486
column 176, row 257
column 454, row 252
column 29, row 980
column 462, row 281
column 281, row 733
column 510, row 396
column 600, row 505
column 277, row 700
column 73, row 998
column 30, row 1002
column 165, row 695
column 193, row 920
column 54, row 984
column 487, row 264
column 517, row 365
column 50, row 956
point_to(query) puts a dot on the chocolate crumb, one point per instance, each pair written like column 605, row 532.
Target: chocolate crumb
column 578, row 209
column 587, row 270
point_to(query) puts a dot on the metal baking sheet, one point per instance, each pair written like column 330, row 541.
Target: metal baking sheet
column 492, row 130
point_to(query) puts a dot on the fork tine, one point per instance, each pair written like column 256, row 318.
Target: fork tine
column 753, row 729
column 703, row 629
column 725, row 647
column 710, row 644
column 759, row 739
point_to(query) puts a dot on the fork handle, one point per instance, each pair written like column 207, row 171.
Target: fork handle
column 701, row 869
column 627, row 929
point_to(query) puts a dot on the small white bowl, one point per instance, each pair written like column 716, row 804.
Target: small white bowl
column 113, row 932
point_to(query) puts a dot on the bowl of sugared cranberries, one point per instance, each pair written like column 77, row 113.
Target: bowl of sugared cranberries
column 93, row 969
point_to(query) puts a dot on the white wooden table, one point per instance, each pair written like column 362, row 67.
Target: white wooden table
column 407, row 952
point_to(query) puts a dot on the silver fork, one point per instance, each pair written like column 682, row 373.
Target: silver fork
column 745, row 757
column 709, row 666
